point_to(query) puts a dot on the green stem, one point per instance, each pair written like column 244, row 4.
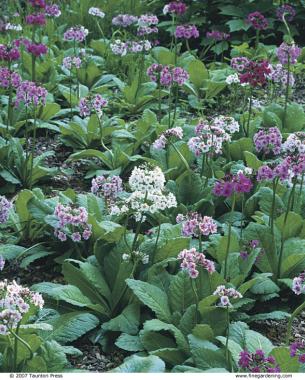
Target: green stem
column 202, row 165
column 227, row 341
column 293, row 315
column 279, row 268
column 271, row 221
column 229, row 237
column 17, row 337
column 287, row 91
column 157, row 241
column 181, row 157
column 250, row 111
column 32, row 151
column 193, row 284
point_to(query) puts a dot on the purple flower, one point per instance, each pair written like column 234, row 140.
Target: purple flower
column 36, row 19
column 9, row 78
column 238, row 183
column 216, row 35
column 288, row 53
column 5, row 207
column 225, row 294
column 186, row 31
column 109, row 187
column 287, row 11
column 30, row 94
column 193, row 224
column 36, row 49
column 175, row 7
column 268, row 141
column 190, row 259
column 167, row 75
column 92, row 104
column 162, row 140
column 38, row 3
column 52, row 10
column 72, row 62
column 8, row 53
column 298, row 284
column 257, row 20
column 257, row 362
column 76, row 33
column 239, row 63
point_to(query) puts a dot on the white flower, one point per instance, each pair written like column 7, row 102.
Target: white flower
column 232, row 79
column 96, row 12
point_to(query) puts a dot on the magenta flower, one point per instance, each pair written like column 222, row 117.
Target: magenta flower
column 37, row 49
column 36, row 19
column 76, row 33
column 9, row 78
column 255, row 74
column 52, row 10
column 257, row 20
column 257, row 362
column 298, row 349
column 9, row 54
column 238, row 183
column 175, row 7
column 38, row 3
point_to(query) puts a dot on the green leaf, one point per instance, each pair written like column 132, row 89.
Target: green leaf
column 71, row 326
column 129, row 343
column 264, row 284
column 171, row 248
column 180, row 292
column 291, row 227
column 256, row 341
column 138, row 364
column 153, row 297
column 284, row 360
column 252, row 161
column 156, row 325
column 198, row 73
column 237, row 25
column 126, row 322
column 54, row 356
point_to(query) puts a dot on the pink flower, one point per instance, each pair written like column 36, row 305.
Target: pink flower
column 257, row 20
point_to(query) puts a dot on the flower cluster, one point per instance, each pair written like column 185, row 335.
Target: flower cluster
column 121, row 48
column 280, row 75
column 232, row 79
column 298, row 284
column 38, row 3
column 72, row 62
column 268, row 141
column 186, row 31
column 216, row 35
column 91, row 104
column 238, row 183
column 72, row 222
column 36, row 49
column 36, row 19
column 295, row 144
column 209, row 139
column 239, row 63
column 9, row 78
column 5, row 206
column 52, row 10
column 257, row 362
column 228, row 123
column 109, row 187
column 286, row 11
column 124, row 20
column 136, row 256
column 76, row 33
column 15, row 302
column 15, row 27
column 8, row 53
column 281, row 171
column 298, row 349
column 96, row 12
column 175, row 7
column 247, row 249
column 167, row 75
column 225, row 294
column 2, row 262
column 255, row 73
column 148, row 194
column 30, row 94
column 191, row 259
column 163, row 139
column 193, row 224
column 257, row 20
column 288, row 53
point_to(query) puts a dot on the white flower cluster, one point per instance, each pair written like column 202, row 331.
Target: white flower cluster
column 148, row 194
column 136, row 256
column 229, row 124
column 225, row 294
column 96, row 12
column 232, row 79
column 295, row 143
column 15, row 27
